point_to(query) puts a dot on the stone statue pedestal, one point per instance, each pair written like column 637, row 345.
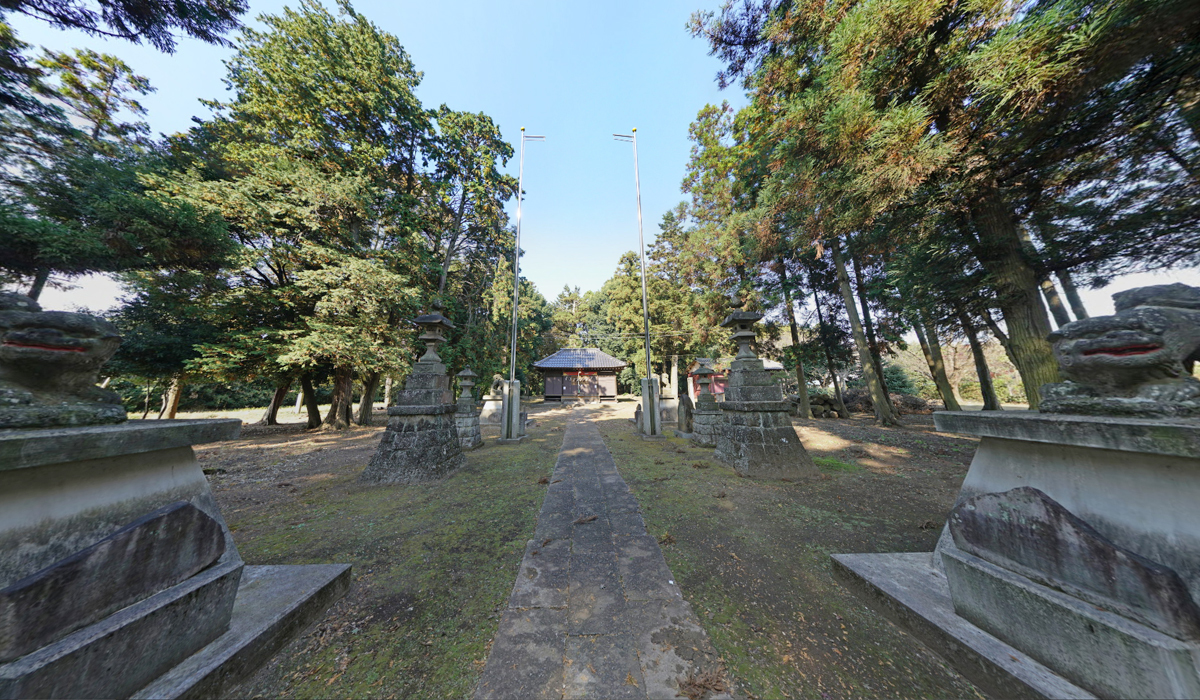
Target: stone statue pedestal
column 493, row 410
column 118, row 573
column 756, row 436
column 421, row 439
column 1070, row 564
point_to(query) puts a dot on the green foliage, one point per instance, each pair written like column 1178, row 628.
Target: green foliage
column 137, row 20
column 898, row 380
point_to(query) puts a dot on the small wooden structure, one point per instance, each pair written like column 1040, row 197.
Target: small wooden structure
column 720, row 369
column 580, row 373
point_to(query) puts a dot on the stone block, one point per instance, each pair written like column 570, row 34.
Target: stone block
column 906, row 589
column 771, row 452
column 526, row 660
column 492, row 411
column 274, row 604
column 748, row 365
column 739, row 380
column 416, row 448
column 146, row 556
column 128, row 649
column 1135, row 481
column 1025, row 531
column 1100, row 651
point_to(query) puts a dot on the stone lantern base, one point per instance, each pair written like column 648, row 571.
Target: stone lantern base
column 756, row 437
column 704, row 426
column 421, row 441
column 467, row 419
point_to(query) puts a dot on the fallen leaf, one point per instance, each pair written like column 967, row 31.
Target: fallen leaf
column 585, row 519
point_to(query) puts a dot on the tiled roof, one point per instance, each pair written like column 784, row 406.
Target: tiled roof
column 579, row 358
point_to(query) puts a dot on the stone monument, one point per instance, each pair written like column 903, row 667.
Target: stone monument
column 118, row 575
column 651, row 424
column 1070, row 563
column 707, row 417
column 421, row 440
column 493, row 403
column 756, row 436
column 467, row 417
column 512, row 427
column 684, row 423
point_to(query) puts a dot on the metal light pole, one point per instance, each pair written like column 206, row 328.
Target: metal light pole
column 512, row 427
column 651, row 420
column 512, row 365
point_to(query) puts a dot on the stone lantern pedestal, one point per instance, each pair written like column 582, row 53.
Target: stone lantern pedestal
column 467, row 417
column 707, row 417
column 757, row 438
column 421, row 441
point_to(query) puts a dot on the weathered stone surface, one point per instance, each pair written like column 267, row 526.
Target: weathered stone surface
column 904, row 588
column 124, row 651
column 574, row 626
column 1175, row 438
column 704, row 427
column 493, row 410
column 1026, row 531
column 605, row 667
column 467, row 421
column 526, row 657
column 416, row 448
column 22, row 449
column 1102, row 652
column 686, row 408
column 150, row 554
column 49, row 364
column 1137, row 491
column 274, row 604
column 1137, row 362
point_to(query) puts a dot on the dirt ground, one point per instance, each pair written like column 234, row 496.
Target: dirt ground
column 434, row 563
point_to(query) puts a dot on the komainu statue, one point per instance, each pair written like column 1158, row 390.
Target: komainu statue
column 49, row 365
column 1137, row 362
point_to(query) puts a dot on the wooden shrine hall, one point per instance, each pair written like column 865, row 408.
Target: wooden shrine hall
column 585, row 374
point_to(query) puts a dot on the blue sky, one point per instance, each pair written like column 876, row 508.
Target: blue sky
column 573, row 72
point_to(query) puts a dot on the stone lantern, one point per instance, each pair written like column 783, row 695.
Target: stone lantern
column 466, row 416
column 421, row 441
column 707, row 415
column 756, row 438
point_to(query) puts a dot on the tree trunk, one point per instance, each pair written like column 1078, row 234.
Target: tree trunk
column 387, row 392
column 931, row 348
column 39, row 283
column 270, row 416
column 801, row 383
column 171, row 403
column 880, row 399
column 366, row 406
column 1072, row 294
column 990, row 401
column 869, row 326
column 837, row 388
column 338, row 417
column 146, row 401
column 999, row 251
column 310, row 401
column 1055, row 302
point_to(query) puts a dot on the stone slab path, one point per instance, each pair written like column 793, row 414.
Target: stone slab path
column 595, row 611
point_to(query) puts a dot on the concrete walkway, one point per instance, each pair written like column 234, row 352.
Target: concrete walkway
column 595, row 612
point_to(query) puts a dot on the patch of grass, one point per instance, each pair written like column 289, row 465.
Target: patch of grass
column 434, row 564
column 754, row 565
column 829, row 464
